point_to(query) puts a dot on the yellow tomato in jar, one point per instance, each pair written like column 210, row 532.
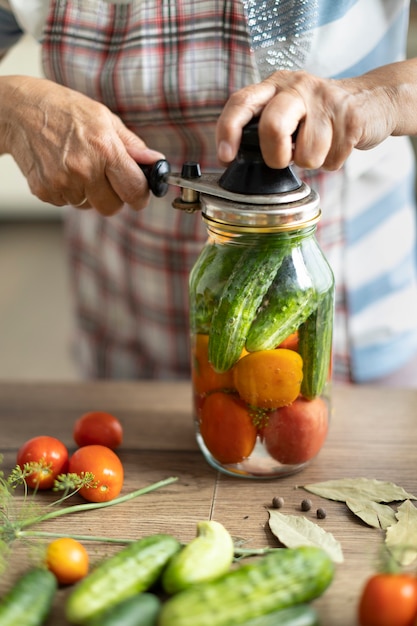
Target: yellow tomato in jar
column 269, row 379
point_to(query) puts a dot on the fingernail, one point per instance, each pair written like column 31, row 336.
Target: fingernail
column 225, row 152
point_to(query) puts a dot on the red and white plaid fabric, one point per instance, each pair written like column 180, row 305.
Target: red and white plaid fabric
column 166, row 68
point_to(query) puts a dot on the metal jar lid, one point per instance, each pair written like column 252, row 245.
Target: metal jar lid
column 250, row 194
column 287, row 211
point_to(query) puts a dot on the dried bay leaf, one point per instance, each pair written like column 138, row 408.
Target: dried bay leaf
column 401, row 538
column 294, row 531
column 372, row 513
column 344, row 489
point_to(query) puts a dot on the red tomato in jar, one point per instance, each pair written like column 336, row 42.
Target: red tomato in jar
column 50, row 453
column 296, row 433
column 106, row 467
column 227, row 428
column 388, row 600
column 67, row 559
column 98, row 428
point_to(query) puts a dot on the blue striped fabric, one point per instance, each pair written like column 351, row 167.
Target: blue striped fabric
column 333, row 10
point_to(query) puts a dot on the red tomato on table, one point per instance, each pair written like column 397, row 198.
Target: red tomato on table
column 106, row 467
column 98, row 427
column 49, row 451
column 389, row 600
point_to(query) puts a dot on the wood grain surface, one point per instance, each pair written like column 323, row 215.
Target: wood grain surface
column 373, row 434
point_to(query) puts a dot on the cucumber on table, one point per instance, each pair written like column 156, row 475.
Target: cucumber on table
column 132, row 570
column 279, row 580
column 298, row 615
column 139, row 610
column 206, row 557
column 29, row 601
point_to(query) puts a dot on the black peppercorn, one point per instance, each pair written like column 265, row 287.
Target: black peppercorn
column 306, row 504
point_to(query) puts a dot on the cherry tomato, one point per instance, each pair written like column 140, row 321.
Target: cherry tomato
column 388, row 600
column 204, row 377
column 269, row 378
column 227, row 427
column 106, row 467
column 97, row 427
column 49, row 451
column 67, row 559
column 295, row 433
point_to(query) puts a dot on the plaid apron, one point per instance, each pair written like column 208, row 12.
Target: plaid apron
column 167, row 68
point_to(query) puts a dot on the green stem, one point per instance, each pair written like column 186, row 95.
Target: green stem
column 79, row 508
column 241, row 552
column 39, row 534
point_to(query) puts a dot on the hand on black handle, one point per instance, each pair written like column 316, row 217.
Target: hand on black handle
column 157, row 176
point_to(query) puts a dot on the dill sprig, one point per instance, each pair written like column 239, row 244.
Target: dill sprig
column 18, row 516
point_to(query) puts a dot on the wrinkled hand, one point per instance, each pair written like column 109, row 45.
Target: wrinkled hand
column 332, row 117
column 71, row 149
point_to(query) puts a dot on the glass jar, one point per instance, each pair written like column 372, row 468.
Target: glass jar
column 261, row 320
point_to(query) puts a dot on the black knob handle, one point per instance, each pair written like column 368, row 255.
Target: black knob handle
column 249, row 175
column 157, row 176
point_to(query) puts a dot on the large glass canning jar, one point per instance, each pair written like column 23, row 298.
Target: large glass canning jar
column 261, row 318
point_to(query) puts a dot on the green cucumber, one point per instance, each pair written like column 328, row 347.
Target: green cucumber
column 287, row 304
column 281, row 579
column 132, row 570
column 207, row 280
column 298, row 615
column 315, row 346
column 239, row 302
column 29, row 601
column 140, row 610
column 206, row 557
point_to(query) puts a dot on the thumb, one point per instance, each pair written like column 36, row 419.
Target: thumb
column 137, row 148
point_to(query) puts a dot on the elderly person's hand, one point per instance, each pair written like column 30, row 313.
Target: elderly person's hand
column 331, row 117
column 71, row 149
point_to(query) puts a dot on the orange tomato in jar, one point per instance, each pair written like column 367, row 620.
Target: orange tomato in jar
column 227, row 428
column 106, row 467
column 269, row 378
column 204, row 377
column 291, row 342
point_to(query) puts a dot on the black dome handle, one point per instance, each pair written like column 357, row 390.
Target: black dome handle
column 249, row 175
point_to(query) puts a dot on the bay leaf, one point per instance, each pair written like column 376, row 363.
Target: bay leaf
column 401, row 538
column 294, row 531
column 372, row 513
column 359, row 488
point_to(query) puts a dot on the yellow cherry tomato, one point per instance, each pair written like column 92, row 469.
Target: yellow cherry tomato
column 67, row 559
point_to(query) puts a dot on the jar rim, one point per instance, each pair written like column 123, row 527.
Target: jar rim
column 256, row 217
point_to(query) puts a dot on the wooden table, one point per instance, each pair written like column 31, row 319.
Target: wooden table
column 373, row 434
